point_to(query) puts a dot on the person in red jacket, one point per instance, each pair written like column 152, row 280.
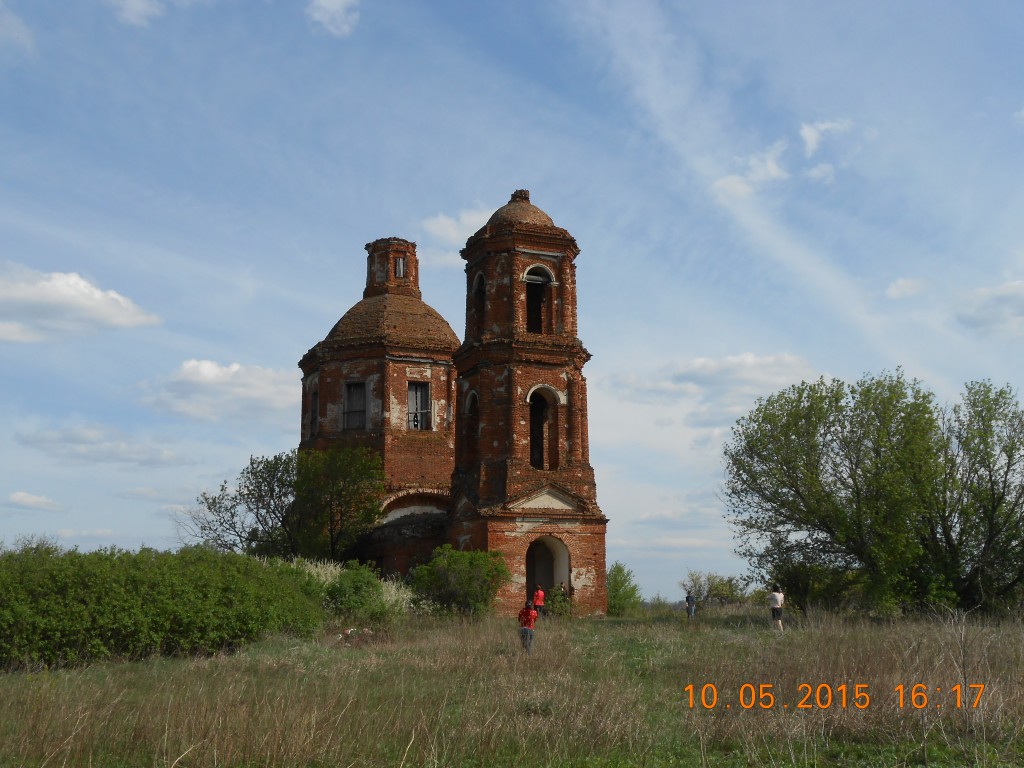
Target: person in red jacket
column 527, row 621
column 538, row 601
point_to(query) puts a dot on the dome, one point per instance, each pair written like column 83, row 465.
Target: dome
column 519, row 210
column 396, row 320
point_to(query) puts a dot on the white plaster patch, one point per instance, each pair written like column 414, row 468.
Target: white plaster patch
column 416, row 509
column 546, row 499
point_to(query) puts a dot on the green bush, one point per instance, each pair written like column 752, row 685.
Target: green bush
column 65, row 607
column 466, row 582
column 558, row 603
column 357, row 594
column 624, row 596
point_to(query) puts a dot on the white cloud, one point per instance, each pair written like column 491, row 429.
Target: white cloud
column 14, row 33
column 813, row 133
column 455, row 231
column 98, row 445
column 903, row 287
column 208, row 391
column 450, row 234
column 96, row 533
column 338, row 17
column 35, row 305
column 762, row 168
column 24, row 500
column 823, row 172
column 138, row 13
column 1018, row 118
column 999, row 309
column 702, row 376
column 731, row 189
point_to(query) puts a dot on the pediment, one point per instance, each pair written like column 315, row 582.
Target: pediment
column 547, row 498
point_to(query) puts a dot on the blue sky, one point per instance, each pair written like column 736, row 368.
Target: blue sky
column 762, row 192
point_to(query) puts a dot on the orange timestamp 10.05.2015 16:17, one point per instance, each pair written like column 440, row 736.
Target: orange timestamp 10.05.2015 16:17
column 827, row 695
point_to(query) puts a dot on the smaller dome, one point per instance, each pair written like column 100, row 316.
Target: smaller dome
column 394, row 319
column 519, row 210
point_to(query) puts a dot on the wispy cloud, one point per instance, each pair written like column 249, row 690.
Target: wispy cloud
column 813, row 133
column 822, row 172
column 138, row 13
column 95, row 533
column 1018, row 118
column 87, row 444
column 36, row 306
column 338, row 17
column 762, row 168
column 208, row 391
column 904, row 287
column 14, row 33
column 23, row 500
column 715, row 391
column 999, row 309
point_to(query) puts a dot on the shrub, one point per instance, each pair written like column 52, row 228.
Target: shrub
column 466, row 582
column 558, row 603
column 357, row 594
column 623, row 594
column 59, row 607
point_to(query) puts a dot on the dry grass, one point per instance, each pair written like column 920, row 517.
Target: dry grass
column 606, row 693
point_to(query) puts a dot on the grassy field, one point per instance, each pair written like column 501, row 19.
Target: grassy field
column 594, row 693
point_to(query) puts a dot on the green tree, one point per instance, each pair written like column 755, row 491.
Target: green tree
column 624, row 596
column 974, row 541
column 338, row 493
column 875, row 491
column 706, row 585
column 463, row 581
column 309, row 504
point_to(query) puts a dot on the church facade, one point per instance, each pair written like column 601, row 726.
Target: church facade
column 484, row 443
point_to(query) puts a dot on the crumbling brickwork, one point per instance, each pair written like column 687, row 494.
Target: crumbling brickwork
column 485, row 444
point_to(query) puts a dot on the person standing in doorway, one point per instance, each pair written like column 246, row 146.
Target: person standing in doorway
column 527, row 622
column 691, row 605
column 775, row 601
column 538, row 602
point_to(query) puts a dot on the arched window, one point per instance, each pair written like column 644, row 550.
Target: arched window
column 538, row 290
column 479, row 304
column 543, row 431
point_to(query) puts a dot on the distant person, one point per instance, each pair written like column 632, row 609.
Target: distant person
column 775, row 601
column 691, row 605
column 527, row 622
column 538, row 601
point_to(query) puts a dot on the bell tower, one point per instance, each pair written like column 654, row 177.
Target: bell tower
column 523, row 484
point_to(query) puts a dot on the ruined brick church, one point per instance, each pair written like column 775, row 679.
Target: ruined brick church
column 484, row 443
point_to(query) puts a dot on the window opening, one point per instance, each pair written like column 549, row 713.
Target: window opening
column 400, row 266
column 537, row 290
column 314, row 413
column 354, row 415
column 538, row 427
column 419, row 405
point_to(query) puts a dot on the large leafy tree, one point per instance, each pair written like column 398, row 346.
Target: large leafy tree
column 309, row 504
column 873, row 489
column 338, row 492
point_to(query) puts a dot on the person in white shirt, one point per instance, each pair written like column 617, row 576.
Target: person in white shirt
column 775, row 601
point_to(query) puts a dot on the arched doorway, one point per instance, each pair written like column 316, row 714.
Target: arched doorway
column 547, row 564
